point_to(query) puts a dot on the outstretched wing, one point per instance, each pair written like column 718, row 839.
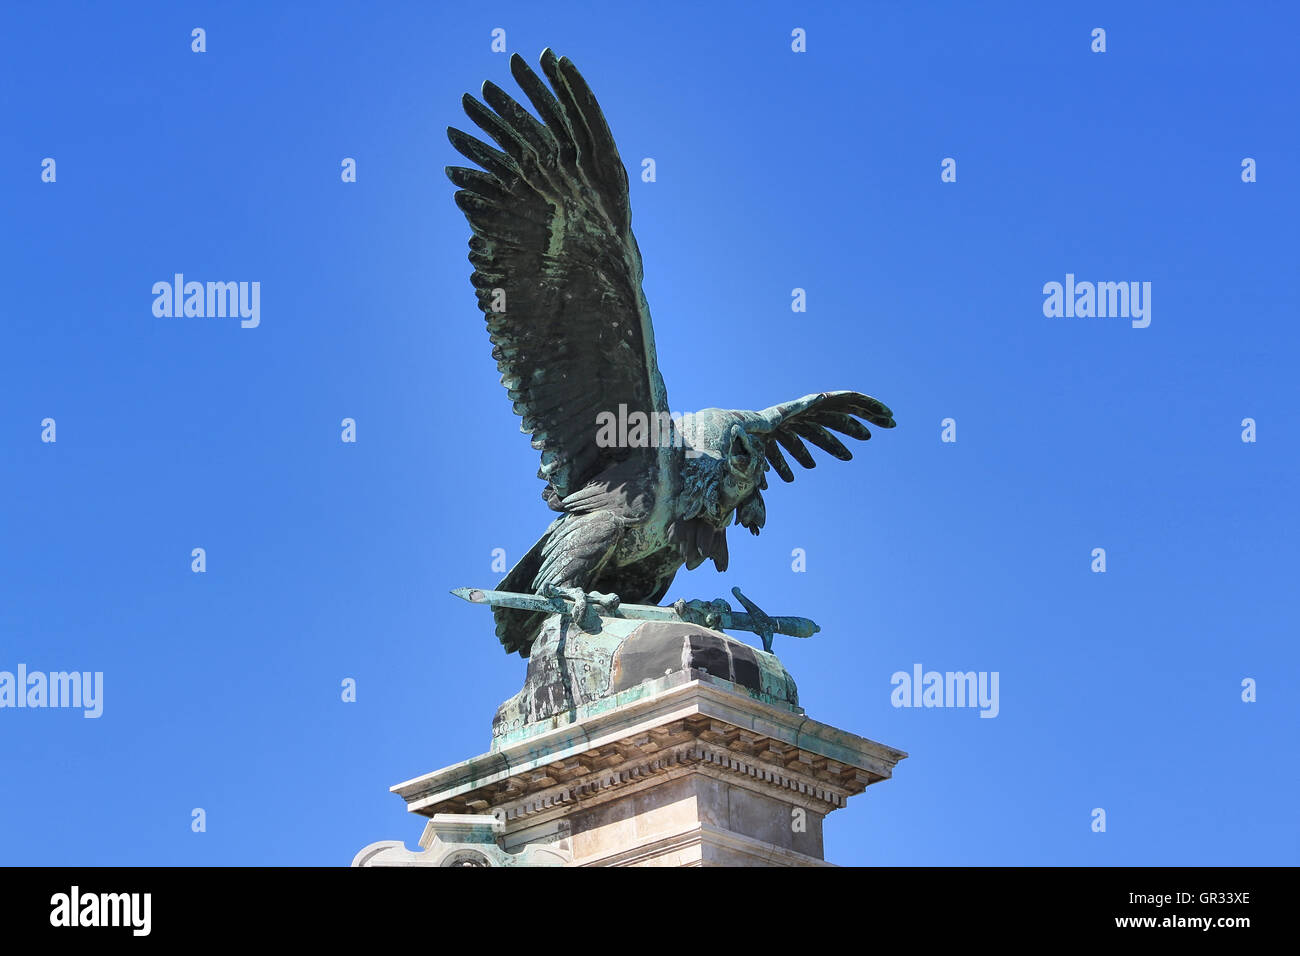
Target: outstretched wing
column 557, row 270
column 814, row 418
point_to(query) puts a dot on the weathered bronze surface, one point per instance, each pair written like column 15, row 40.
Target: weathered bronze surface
column 557, row 273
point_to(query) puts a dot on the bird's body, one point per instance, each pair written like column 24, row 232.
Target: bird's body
column 558, row 277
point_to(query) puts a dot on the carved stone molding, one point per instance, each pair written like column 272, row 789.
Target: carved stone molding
column 687, row 770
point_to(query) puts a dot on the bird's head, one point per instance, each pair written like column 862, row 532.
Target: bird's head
column 743, row 466
column 728, row 451
column 725, row 468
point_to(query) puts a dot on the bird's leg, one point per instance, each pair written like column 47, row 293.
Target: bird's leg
column 715, row 614
column 585, row 611
column 718, row 614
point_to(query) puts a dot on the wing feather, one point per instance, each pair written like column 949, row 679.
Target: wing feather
column 815, row 418
column 551, row 218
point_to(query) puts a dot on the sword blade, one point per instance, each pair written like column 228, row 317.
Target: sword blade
column 736, row 620
column 560, row 605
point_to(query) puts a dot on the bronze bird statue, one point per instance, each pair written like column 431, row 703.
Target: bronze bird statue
column 557, row 273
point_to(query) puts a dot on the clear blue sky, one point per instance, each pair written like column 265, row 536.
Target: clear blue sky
column 775, row 170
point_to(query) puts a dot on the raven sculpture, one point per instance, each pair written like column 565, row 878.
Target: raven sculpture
column 558, row 276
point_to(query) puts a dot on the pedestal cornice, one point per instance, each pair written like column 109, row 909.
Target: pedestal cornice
column 688, row 722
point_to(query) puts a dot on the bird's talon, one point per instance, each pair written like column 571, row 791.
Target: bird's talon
column 711, row 614
column 586, row 605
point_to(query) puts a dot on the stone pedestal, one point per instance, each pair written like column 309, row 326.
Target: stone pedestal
column 689, row 769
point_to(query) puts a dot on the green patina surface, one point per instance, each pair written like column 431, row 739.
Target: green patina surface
column 640, row 492
column 571, row 672
column 606, row 704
